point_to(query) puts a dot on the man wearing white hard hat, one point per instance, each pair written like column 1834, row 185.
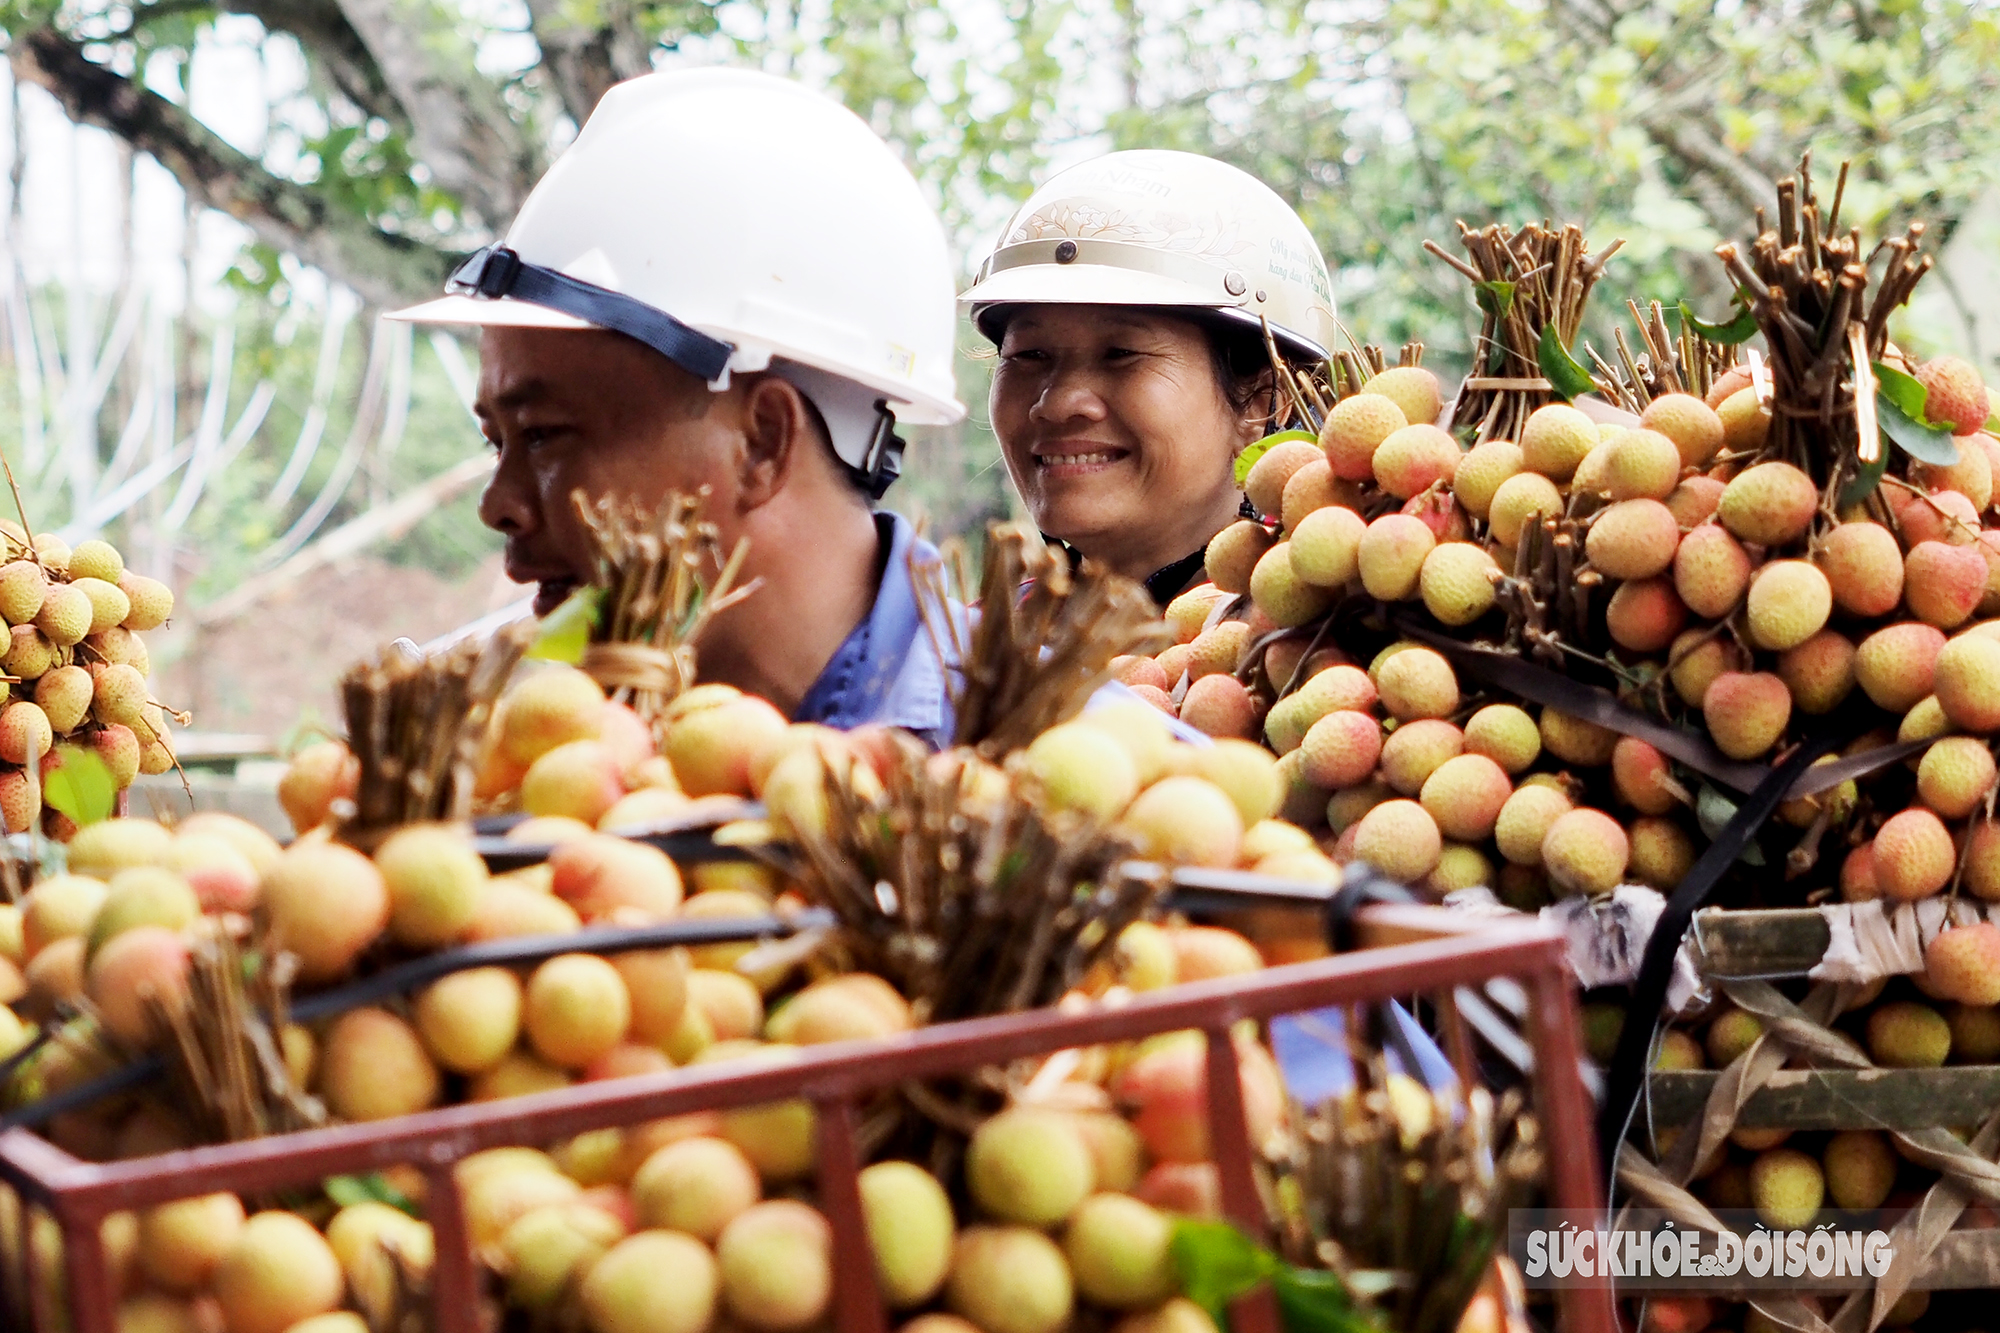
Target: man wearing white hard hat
column 1129, row 298
column 728, row 281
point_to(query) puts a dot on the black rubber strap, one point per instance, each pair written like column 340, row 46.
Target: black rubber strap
column 1168, row 583
column 1627, row 1074
column 496, row 271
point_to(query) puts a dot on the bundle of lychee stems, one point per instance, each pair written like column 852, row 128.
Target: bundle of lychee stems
column 1044, row 639
column 1529, row 280
column 1808, row 290
column 415, row 727
column 661, row 574
column 1685, row 362
column 1415, row 1192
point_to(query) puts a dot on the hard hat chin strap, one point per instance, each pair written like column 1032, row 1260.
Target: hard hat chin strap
column 497, row 271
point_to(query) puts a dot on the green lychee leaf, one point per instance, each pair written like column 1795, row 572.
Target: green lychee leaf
column 1568, row 378
column 82, row 787
column 1910, row 430
column 371, row 1188
column 1740, row 329
column 1865, row 481
column 1315, row 1300
column 1218, row 1263
column 1496, row 297
column 566, row 631
column 1713, row 811
column 1251, row 453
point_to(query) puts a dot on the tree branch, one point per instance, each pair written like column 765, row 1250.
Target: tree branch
column 460, row 126
column 1698, row 151
column 583, row 62
column 332, row 45
column 384, row 269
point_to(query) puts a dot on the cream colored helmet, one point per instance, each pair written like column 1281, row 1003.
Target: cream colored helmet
column 657, row 223
column 1155, row 228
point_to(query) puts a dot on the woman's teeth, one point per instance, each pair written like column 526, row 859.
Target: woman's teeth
column 1065, row 460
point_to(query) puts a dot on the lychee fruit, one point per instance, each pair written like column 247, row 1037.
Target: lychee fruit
column 1525, row 820
column 1942, row 516
column 1413, row 459
column 1416, row 683
column 65, row 616
column 1645, row 615
column 1963, row 964
column 1575, row 740
column 373, row 1066
column 1971, row 476
column 1265, row 484
column 326, row 904
column 1521, row 498
column 1074, row 767
column 120, row 697
column 1954, row 776
column 1661, row 852
column 434, row 878
column 1412, row 389
column 1341, row 749
column 1399, row 839
column 181, row 1243
column 1217, row 648
column 1819, row 672
column 1966, row 680
column 1954, row 395
column 1690, row 423
column 1555, row 439
column 278, row 1272
column 1288, row 600
column 1479, row 475
column 1632, row 539
column 1324, row 549
column 1390, row 556
column 152, row 601
column 1642, row 776
column 1028, row 1166
column 25, row 733
column 1464, row 795
column 1746, row 712
column 108, row 606
column 1010, row 1280
column 1913, row 855
column 1120, row 1252
column 1234, row 552
column 1354, row 429
column 1745, row 421
column 1314, row 487
column 910, row 1231
column 651, row 1282
column 1642, row 465
column 1712, row 570
column 1246, row 773
column 1903, row 1034
column 1413, row 751
column 1187, row 613
column 1219, row 705
column 1860, row 1169
column 1696, row 659
column 1770, row 504
column 1788, row 603
column 1695, row 500
column 1896, row 665
column 1186, row 821
column 1943, row 585
column 1585, row 851
column 471, row 1019
column 64, row 696
column 1456, row 582
column 1505, row 734
column 1786, row 1188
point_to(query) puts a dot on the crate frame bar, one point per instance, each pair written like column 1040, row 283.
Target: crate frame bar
column 1407, row 950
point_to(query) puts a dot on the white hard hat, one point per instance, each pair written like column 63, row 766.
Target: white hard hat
column 1155, row 228
column 731, row 220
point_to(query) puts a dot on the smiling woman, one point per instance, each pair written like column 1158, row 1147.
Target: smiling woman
column 1129, row 300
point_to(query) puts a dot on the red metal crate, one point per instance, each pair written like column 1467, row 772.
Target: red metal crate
column 1407, row 951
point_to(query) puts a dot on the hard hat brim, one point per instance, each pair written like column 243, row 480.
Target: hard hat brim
column 1097, row 284
column 476, row 310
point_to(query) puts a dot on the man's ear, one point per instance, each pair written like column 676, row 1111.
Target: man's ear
column 777, row 432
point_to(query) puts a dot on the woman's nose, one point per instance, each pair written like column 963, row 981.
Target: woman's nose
column 1067, row 396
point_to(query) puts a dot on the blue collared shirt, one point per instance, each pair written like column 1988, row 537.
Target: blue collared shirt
column 888, row 672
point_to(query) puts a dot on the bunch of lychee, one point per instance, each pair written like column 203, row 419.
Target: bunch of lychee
column 1733, row 597
column 77, row 667
column 698, row 1221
